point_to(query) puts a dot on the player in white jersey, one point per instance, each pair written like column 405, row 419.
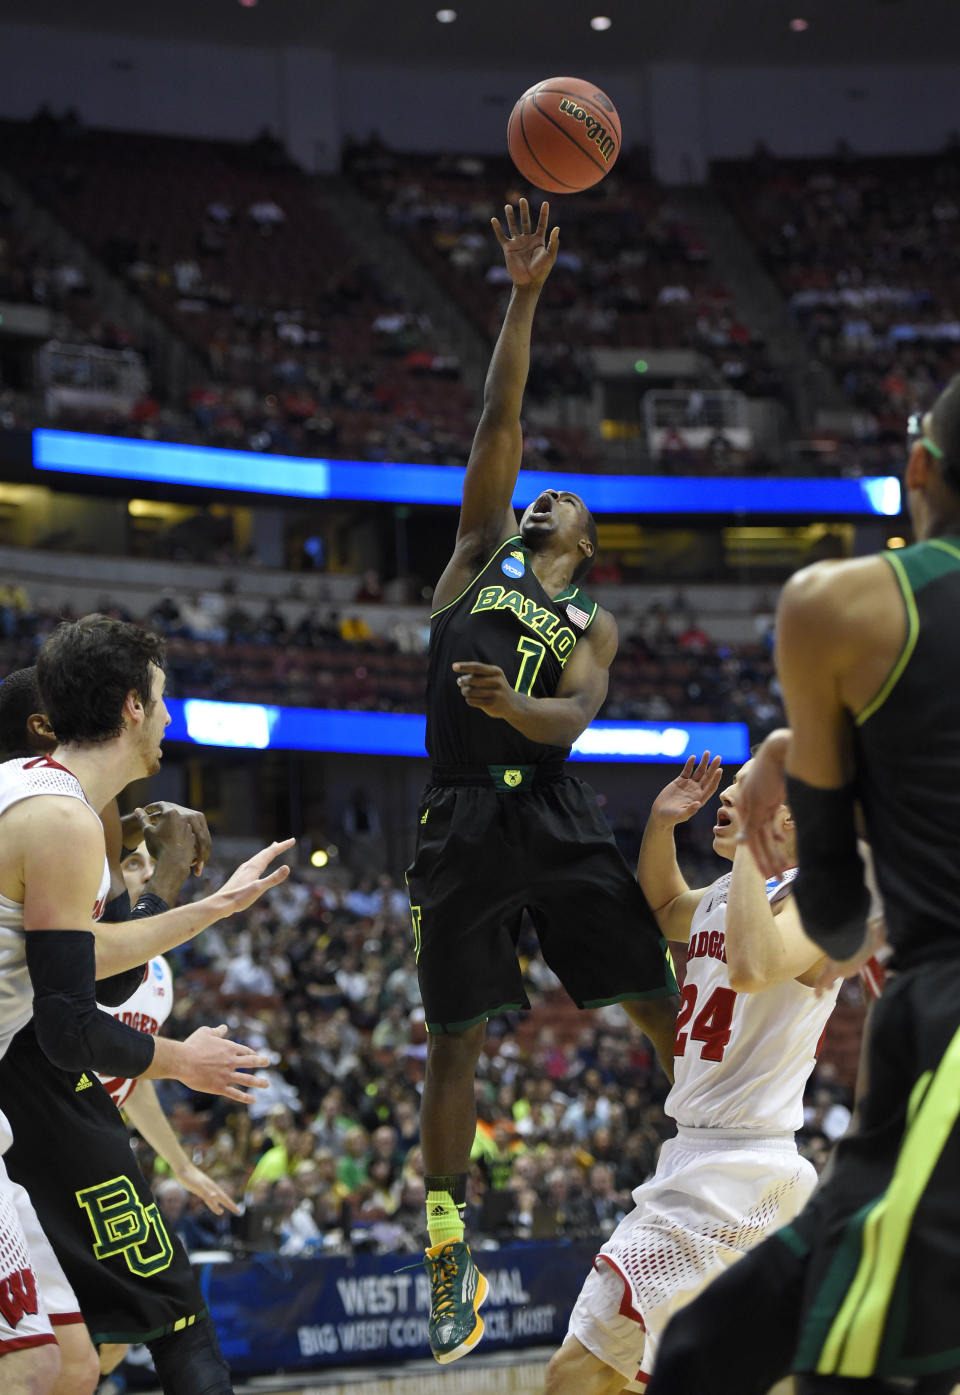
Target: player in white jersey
column 747, row 1035
column 103, row 693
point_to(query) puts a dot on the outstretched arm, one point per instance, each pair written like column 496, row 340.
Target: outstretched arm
column 765, row 944
column 486, row 512
column 123, row 946
column 819, row 635
column 658, row 872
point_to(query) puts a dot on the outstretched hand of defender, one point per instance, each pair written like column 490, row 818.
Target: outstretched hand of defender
column 213, row 1065
column 251, row 880
column 529, row 255
column 210, row 1192
column 485, row 686
column 763, row 792
column 697, row 782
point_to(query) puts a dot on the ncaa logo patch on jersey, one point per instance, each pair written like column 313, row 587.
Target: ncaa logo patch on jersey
column 513, row 566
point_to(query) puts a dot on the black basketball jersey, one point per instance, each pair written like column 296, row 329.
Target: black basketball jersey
column 908, row 757
column 504, row 617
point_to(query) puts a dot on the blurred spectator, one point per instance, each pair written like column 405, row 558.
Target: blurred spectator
column 298, row 1231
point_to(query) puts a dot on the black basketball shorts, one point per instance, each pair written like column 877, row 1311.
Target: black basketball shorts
column 71, row 1151
column 883, row 1258
column 485, row 852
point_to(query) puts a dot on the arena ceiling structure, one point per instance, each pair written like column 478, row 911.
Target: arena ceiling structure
column 513, row 33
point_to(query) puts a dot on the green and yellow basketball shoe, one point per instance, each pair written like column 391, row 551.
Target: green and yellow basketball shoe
column 457, row 1292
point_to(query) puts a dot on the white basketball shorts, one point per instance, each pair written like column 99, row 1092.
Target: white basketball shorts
column 715, row 1194
column 35, row 1295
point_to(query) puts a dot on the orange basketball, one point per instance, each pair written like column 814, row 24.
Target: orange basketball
column 564, row 135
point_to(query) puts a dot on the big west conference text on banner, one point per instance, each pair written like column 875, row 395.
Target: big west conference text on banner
column 296, row 1314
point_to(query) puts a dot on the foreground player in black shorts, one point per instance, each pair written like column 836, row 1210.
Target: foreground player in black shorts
column 114, row 1296
column 861, row 1292
column 103, row 692
column 519, row 661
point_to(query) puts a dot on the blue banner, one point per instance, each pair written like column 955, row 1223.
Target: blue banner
column 207, row 467
column 260, row 727
column 273, row 1314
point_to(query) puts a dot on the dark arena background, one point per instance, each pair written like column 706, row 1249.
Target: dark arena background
column 248, row 294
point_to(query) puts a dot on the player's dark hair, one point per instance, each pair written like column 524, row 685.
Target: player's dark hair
column 590, row 528
column 86, row 669
column 945, row 430
column 19, row 699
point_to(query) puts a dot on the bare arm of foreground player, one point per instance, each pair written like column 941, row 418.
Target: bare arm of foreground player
column 840, row 628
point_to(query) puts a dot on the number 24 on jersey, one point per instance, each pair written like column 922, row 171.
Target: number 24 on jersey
column 712, row 1025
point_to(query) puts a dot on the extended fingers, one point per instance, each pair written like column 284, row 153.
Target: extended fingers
column 275, row 878
column 251, row 1057
column 714, row 776
column 241, row 1096
column 498, row 231
column 543, row 220
column 265, row 856
column 525, row 217
column 511, row 219
column 702, row 764
column 249, row 1082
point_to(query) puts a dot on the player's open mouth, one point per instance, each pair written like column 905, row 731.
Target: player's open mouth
column 542, row 508
column 724, row 821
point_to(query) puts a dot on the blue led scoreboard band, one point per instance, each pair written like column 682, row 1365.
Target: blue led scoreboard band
column 249, row 472
column 259, row 727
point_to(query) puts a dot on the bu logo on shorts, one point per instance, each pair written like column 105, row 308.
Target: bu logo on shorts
column 512, row 778
column 513, row 565
column 123, row 1225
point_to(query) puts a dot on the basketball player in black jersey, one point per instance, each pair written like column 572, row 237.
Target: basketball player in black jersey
column 519, row 660
column 861, row 1292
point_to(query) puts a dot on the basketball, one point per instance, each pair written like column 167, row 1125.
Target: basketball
column 564, row 135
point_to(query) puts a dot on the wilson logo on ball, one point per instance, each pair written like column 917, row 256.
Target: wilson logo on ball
column 596, row 132
column 564, row 135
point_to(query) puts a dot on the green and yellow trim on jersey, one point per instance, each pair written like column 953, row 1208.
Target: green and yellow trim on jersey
column 855, row 1324
column 470, row 584
column 909, row 644
column 570, row 595
column 915, row 567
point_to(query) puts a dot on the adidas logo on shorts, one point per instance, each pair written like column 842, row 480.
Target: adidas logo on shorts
column 84, row 1083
